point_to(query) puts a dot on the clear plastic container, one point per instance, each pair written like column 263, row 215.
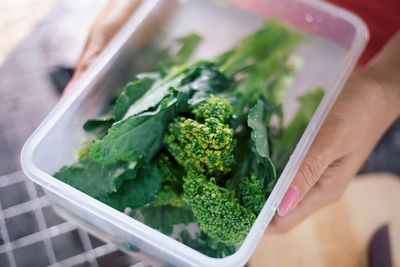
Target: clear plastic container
column 336, row 40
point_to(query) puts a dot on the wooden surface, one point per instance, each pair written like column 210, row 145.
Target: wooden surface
column 338, row 235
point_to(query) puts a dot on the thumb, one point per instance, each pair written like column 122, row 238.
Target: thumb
column 312, row 167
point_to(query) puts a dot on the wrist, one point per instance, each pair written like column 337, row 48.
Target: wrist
column 384, row 71
column 385, row 86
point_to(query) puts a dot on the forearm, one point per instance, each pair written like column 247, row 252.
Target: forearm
column 384, row 71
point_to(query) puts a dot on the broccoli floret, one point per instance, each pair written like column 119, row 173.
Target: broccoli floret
column 217, row 211
column 168, row 196
column 171, row 183
column 204, row 145
column 214, row 107
column 251, row 193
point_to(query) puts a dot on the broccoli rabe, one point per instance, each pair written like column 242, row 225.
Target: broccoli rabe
column 251, row 193
column 196, row 141
column 204, row 145
column 206, row 245
column 214, row 107
column 217, row 211
column 171, row 182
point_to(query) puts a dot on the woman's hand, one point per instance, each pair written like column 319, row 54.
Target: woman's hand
column 109, row 21
column 367, row 106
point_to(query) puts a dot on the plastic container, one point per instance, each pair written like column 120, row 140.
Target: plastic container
column 336, row 40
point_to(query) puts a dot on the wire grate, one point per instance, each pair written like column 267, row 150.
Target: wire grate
column 33, row 235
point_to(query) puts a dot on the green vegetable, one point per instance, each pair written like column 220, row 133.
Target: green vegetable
column 263, row 167
column 188, row 45
column 285, row 144
column 140, row 134
column 251, row 193
column 205, row 144
column 100, row 123
column 196, row 141
column 218, row 213
column 171, row 182
column 178, row 53
column 164, row 218
column 132, row 92
column 138, row 137
column 206, row 245
column 91, row 177
column 137, row 191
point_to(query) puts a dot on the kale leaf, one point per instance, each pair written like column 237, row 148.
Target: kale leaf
column 263, row 167
column 187, row 46
column 135, row 138
column 91, row 177
column 141, row 136
column 137, row 191
column 163, row 218
column 132, row 92
column 99, row 124
column 206, row 245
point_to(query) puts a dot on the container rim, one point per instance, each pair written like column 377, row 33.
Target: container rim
column 143, row 232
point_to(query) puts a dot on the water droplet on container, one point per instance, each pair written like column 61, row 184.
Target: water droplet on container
column 309, row 18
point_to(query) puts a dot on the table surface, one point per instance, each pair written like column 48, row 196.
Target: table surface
column 340, row 234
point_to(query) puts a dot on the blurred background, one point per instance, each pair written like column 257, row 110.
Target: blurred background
column 40, row 41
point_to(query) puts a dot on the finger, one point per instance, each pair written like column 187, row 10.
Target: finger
column 88, row 56
column 326, row 147
column 311, row 169
column 310, row 204
column 108, row 22
column 327, row 190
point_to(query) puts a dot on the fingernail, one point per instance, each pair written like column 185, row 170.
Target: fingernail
column 288, row 201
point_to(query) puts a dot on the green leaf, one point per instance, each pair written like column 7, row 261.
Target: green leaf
column 132, row 92
column 163, row 218
column 254, row 50
column 262, row 165
column 285, row 143
column 91, row 177
column 135, row 138
column 171, row 181
column 188, row 44
column 206, row 245
column 205, row 76
column 259, row 135
column 141, row 136
column 136, row 192
column 201, row 76
column 279, row 84
column 178, row 53
column 258, row 63
column 100, row 124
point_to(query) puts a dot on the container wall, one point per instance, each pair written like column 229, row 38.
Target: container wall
column 110, row 233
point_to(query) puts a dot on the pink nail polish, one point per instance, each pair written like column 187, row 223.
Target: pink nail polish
column 288, row 201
